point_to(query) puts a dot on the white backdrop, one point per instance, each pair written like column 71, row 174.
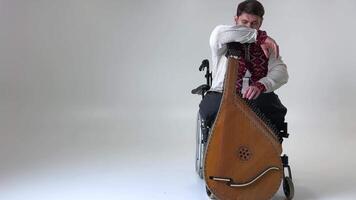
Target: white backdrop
column 95, row 96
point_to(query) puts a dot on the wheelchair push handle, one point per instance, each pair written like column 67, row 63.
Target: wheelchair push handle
column 205, row 87
column 204, row 64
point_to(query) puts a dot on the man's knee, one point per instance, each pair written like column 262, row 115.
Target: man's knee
column 209, row 107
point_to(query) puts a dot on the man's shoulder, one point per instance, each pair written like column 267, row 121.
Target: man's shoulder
column 231, row 28
column 223, row 27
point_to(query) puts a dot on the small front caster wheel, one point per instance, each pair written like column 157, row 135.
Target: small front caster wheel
column 208, row 192
column 288, row 188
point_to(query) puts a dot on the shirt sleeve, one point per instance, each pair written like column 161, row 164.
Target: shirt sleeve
column 224, row 34
column 277, row 74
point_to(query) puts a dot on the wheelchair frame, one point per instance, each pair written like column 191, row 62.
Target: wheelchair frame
column 288, row 186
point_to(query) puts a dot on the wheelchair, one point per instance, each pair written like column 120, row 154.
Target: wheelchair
column 203, row 131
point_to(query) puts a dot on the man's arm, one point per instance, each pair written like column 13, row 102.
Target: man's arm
column 224, row 34
column 277, row 74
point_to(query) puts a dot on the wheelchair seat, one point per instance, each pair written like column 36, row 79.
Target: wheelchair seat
column 202, row 89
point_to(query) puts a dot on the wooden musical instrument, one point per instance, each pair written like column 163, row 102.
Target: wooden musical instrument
column 242, row 159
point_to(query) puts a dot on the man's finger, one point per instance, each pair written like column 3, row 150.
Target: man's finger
column 276, row 50
column 248, row 92
column 277, row 55
column 252, row 94
column 265, row 51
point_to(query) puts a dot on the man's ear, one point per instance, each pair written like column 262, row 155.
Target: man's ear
column 236, row 18
column 260, row 23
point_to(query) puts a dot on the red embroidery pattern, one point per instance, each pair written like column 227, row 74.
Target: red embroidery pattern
column 257, row 66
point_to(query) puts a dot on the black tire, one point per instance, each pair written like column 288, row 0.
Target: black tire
column 208, row 192
column 288, row 188
column 198, row 153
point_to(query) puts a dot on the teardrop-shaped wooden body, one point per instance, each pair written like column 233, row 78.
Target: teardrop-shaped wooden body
column 242, row 159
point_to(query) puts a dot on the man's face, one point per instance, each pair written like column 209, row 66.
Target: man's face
column 249, row 20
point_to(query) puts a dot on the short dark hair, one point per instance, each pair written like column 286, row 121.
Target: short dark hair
column 253, row 7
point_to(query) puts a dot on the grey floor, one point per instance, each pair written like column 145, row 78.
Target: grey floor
column 100, row 155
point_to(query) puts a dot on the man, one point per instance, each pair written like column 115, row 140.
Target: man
column 261, row 70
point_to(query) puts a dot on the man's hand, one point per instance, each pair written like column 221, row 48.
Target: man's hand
column 270, row 44
column 252, row 92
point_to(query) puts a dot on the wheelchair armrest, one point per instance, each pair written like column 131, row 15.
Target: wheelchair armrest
column 284, row 130
column 201, row 89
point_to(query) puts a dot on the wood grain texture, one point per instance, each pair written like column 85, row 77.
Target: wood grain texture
column 241, row 146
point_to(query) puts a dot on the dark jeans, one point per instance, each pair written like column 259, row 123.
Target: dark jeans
column 268, row 103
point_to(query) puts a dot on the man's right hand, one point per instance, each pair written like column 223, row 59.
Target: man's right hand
column 268, row 45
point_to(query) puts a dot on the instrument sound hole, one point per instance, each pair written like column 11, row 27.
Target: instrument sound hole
column 244, row 153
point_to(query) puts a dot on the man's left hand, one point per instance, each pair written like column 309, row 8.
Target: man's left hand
column 270, row 44
column 252, row 92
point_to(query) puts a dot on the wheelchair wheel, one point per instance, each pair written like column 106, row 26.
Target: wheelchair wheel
column 208, row 192
column 288, row 188
column 199, row 148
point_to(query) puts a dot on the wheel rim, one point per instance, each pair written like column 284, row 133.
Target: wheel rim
column 198, row 147
column 288, row 188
